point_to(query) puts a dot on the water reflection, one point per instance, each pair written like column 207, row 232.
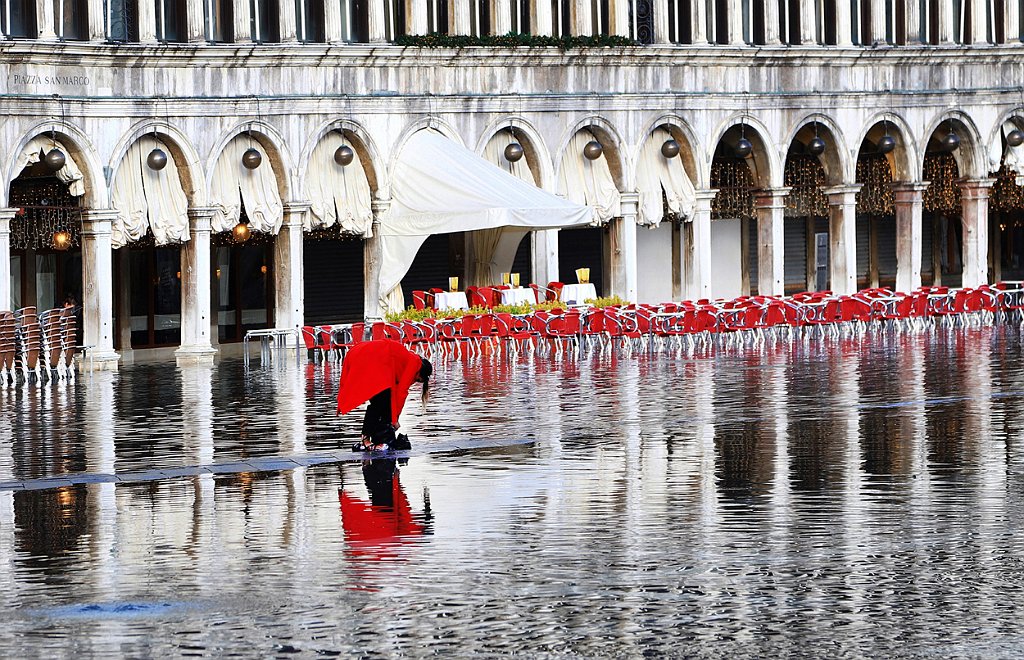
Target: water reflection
column 860, row 493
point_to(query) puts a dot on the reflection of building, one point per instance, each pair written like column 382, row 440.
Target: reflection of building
column 847, row 112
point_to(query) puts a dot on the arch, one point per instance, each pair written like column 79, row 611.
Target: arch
column 970, row 157
column 436, row 123
column 272, row 143
column 364, row 145
column 610, row 140
column 906, row 159
column 79, row 147
column 190, row 169
column 837, row 161
column 536, row 149
column 689, row 147
column 1014, row 115
column 765, row 163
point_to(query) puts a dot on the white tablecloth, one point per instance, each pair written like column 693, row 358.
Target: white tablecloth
column 577, row 293
column 451, row 300
column 516, row 296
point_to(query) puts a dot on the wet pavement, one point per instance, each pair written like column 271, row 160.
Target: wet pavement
column 843, row 498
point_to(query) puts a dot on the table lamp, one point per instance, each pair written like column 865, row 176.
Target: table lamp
column 515, row 280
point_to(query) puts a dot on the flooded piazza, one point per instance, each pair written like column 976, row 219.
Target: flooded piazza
column 842, row 498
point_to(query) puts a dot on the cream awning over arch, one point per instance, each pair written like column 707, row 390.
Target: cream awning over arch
column 234, row 184
column 588, row 182
column 148, row 199
column 656, row 174
column 441, row 187
column 70, row 174
column 338, row 194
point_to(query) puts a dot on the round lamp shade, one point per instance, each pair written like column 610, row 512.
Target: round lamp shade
column 251, row 158
column 61, row 240
column 886, row 144
column 592, row 150
column 240, row 232
column 55, row 159
column 670, row 149
column 951, row 142
column 1015, row 138
column 513, row 152
column 344, row 155
column 816, row 146
column 157, row 159
column 743, row 148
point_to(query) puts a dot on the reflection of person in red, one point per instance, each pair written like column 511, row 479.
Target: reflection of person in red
column 381, row 372
column 375, row 529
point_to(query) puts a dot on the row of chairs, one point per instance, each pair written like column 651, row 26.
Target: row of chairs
column 37, row 346
column 746, row 319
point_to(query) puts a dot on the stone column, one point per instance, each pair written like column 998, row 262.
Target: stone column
column 808, row 22
column 416, row 14
column 542, row 23
column 907, row 200
column 661, row 27
column 123, row 304
column 945, row 18
column 770, row 206
column 195, row 28
column 771, row 24
column 289, row 21
column 623, row 249
column 501, row 16
column 45, row 21
column 377, row 21
column 979, row 23
column 697, row 256
column 289, row 308
column 974, row 200
column 6, row 215
column 917, row 32
column 372, row 310
column 878, row 22
column 544, row 244
column 1011, row 14
column 196, row 305
column 98, row 290
column 582, row 19
column 333, row 33
column 735, row 22
column 842, row 235
column 243, row 19
column 97, row 30
column 618, row 15
column 461, row 19
column 844, row 24
column 699, row 22
column 147, row 20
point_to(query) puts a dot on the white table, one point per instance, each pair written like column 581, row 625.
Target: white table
column 577, row 293
column 451, row 300
column 517, row 295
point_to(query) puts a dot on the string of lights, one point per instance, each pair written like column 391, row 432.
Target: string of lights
column 735, row 184
column 875, row 176
column 805, row 175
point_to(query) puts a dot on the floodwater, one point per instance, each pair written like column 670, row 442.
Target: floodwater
column 853, row 498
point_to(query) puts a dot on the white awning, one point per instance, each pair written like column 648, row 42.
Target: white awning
column 234, row 185
column 70, row 174
column 148, row 199
column 655, row 175
column 440, row 187
column 339, row 195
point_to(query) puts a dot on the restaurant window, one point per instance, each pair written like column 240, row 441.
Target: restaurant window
column 171, row 24
column 355, row 21
column 19, row 18
column 437, row 16
column 265, row 21
column 480, row 17
column 154, row 276
column 309, row 21
column 220, row 19
column 394, row 16
column 244, row 297
column 641, row 20
column 71, row 18
column 599, row 17
column 679, row 27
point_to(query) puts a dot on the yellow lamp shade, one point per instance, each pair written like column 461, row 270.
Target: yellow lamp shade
column 453, row 284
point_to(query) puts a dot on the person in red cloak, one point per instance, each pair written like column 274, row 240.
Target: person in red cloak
column 381, row 372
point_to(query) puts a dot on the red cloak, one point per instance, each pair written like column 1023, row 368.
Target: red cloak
column 370, row 368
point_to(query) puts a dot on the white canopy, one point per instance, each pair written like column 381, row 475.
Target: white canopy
column 70, row 174
column 234, row 184
column 587, row 181
column 1012, row 157
column 654, row 174
column 440, row 187
column 339, row 195
column 148, row 199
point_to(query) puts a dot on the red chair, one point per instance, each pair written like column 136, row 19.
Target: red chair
column 419, row 299
column 554, row 290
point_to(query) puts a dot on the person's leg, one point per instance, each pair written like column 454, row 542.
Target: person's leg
column 377, row 422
